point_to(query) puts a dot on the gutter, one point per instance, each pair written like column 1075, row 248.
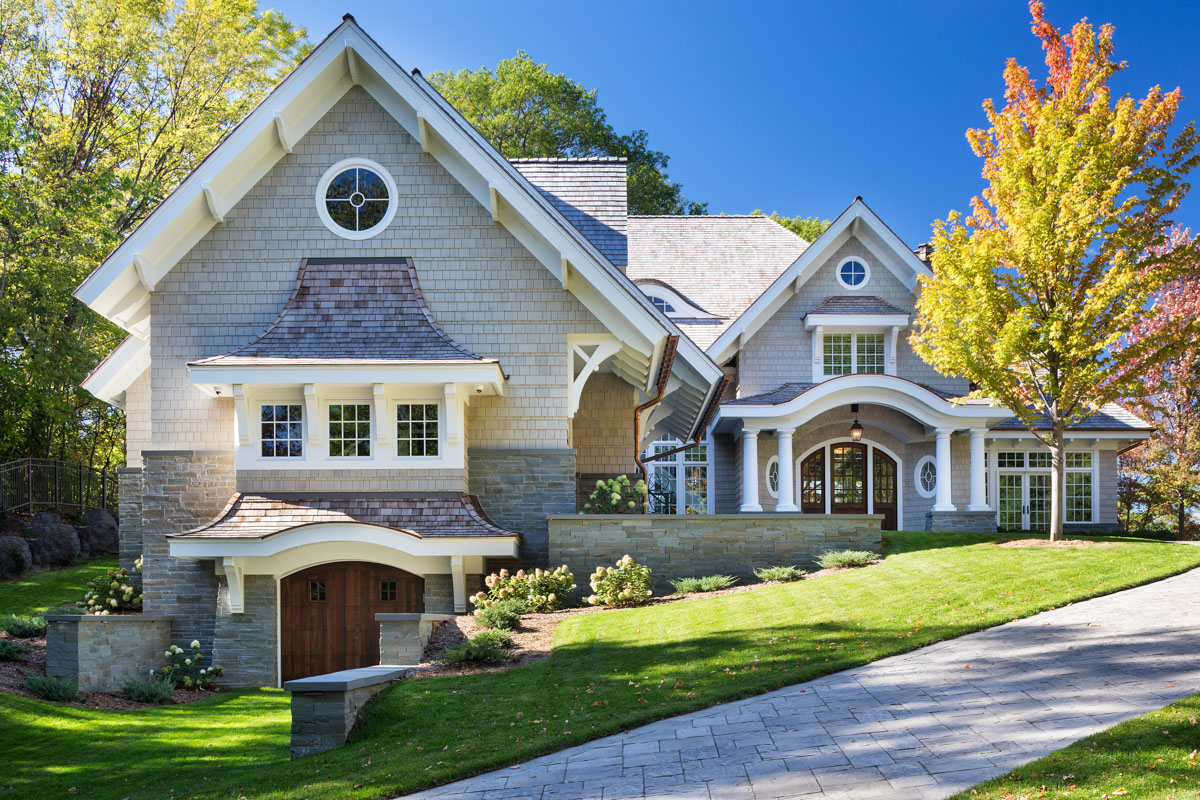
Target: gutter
column 664, row 375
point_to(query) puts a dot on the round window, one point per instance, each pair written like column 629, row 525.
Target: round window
column 926, row 476
column 853, row 273
column 773, row 476
column 356, row 198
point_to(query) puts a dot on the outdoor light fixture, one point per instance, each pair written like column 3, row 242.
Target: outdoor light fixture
column 856, row 431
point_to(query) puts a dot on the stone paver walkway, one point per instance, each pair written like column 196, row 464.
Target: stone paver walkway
column 925, row 724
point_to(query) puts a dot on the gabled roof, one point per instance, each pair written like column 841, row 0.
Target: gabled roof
column 352, row 310
column 858, row 221
column 119, row 288
column 720, row 263
column 590, row 192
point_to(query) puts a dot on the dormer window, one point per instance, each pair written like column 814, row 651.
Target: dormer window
column 350, row 430
column 662, row 304
column 671, row 302
column 853, row 273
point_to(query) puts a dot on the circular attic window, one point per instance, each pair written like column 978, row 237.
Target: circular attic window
column 356, row 198
column 853, row 273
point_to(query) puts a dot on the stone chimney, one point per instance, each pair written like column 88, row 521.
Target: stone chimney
column 924, row 252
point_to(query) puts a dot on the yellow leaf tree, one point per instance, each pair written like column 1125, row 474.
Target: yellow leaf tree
column 1033, row 290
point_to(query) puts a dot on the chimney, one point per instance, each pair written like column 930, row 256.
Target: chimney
column 924, row 252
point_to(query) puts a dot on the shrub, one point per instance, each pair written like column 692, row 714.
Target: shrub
column 60, row 690
column 75, row 611
column 183, row 670
column 705, row 583
column 23, row 627
column 616, row 496
column 540, row 590
column 118, row 591
column 626, row 584
column 10, row 650
column 505, row 615
column 485, row 647
column 151, row 691
column 786, row 574
column 846, row 558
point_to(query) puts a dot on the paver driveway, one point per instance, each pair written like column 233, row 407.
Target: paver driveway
column 922, row 725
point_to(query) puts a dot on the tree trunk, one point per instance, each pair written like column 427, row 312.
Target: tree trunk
column 1181, row 528
column 1057, row 480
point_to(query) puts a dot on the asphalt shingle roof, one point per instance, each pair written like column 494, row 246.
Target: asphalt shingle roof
column 590, row 193
column 352, row 311
column 790, row 391
column 424, row 514
column 1109, row 417
column 846, row 304
column 722, row 263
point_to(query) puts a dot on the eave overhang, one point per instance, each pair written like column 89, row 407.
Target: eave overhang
column 117, row 372
column 855, row 321
column 485, row 378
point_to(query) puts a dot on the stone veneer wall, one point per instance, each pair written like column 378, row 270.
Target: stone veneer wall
column 969, row 521
column 129, row 509
column 101, row 653
column 439, row 594
column 245, row 644
column 518, row 489
column 676, row 546
column 182, row 489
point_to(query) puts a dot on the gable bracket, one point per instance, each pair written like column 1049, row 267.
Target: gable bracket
column 564, row 273
column 144, row 272
column 602, row 352
column 494, row 202
column 216, row 208
column 423, row 132
column 352, row 63
column 285, row 136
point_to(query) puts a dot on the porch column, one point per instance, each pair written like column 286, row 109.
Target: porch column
column 978, row 491
column 942, row 495
column 458, row 581
column 750, row 470
column 787, row 484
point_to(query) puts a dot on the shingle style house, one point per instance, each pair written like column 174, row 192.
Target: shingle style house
column 369, row 355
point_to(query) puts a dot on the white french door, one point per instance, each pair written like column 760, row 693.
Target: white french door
column 1024, row 501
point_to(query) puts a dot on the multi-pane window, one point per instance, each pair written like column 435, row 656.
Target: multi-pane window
column 1010, row 460
column 1024, row 488
column 678, row 482
column 1079, row 496
column 662, row 305
column 773, row 477
column 387, row 591
column 695, row 480
column 927, row 475
column 1040, row 459
column 417, row 429
column 846, row 353
column 282, row 431
column 316, row 591
column 349, row 430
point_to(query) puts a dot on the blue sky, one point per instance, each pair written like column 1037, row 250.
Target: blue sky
column 794, row 107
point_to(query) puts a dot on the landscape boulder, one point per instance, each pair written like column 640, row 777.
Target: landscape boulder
column 48, row 517
column 15, row 558
column 101, row 532
column 59, row 542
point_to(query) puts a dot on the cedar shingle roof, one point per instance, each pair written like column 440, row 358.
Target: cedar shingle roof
column 423, row 514
column 1109, row 417
column 848, row 304
column 352, row 311
column 590, row 193
column 790, row 391
column 722, row 263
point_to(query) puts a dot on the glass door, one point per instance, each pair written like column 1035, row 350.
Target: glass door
column 848, row 478
column 1012, row 501
column 1037, row 502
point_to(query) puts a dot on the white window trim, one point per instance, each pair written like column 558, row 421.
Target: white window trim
column 683, row 308
column 994, row 470
column 259, row 402
column 772, row 461
column 337, row 169
column 394, row 444
column 921, row 462
column 854, row 352
column 370, row 435
column 866, row 276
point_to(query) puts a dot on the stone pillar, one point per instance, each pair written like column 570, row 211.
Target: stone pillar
column 942, row 496
column 978, row 473
column 244, row 644
column 129, row 529
column 750, row 470
column 787, row 482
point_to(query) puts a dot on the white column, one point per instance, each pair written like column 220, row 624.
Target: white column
column 978, row 476
column 787, row 483
column 818, row 346
column 942, row 501
column 750, row 470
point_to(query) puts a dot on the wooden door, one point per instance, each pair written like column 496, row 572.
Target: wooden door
column 327, row 614
column 812, row 483
column 883, row 486
column 848, row 478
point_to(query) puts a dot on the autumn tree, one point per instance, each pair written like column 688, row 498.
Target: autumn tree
column 1059, row 257
column 104, row 106
column 527, row 111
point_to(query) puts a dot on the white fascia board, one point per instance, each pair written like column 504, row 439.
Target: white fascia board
column 221, row 376
column 118, row 371
column 358, row 532
column 855, row 321
column 1000, row 434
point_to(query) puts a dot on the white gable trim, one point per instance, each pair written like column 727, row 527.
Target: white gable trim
column 118, row 371
column 858, row 221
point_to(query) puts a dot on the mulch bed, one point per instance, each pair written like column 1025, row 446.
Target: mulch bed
column 1048, row 543
column 12, row 681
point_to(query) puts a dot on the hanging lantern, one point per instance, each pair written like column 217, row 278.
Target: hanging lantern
column 856, row 431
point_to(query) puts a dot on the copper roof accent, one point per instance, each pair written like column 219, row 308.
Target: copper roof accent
column 848, row 304
column 421, row 514
column 352, row 310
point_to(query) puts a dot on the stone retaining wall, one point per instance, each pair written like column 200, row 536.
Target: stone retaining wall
column 403, row 637
column 325, row 707
column 676, row 546
column 101, row 653
column 967, row 521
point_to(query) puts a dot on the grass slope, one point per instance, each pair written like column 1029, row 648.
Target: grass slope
column 1153, row 757
column 609, row 672
column 38, row 591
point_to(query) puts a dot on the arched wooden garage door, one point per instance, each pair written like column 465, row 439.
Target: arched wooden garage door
column 327, row 614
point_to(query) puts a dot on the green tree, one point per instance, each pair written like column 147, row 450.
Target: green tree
column 105, row 105
column 1055, row 265
column 526, row 111
column 807, row 228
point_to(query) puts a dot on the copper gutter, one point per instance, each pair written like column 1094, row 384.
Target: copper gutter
column 664, row 374
column 705, row 420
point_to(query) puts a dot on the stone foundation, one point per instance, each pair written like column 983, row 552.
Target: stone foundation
column 244, row 644
column 963, row 521
column 518, row 489
column 129, row 508
column 403, row 637
column 101, row 653
column 678, row 546
column 325, row 707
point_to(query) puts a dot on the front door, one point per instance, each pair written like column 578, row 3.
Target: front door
column 884, row 488
column 812, row 483
column 327, row 614
column 848, row 478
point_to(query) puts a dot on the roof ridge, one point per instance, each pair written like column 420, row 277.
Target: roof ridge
column 570, row 160
column 703, row 216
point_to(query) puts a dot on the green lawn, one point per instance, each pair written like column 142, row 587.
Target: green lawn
column 1148, row 758
column 38, row 591
column 609, row 672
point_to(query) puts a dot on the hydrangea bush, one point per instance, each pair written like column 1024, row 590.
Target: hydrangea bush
column 540, row 590
column 616, row 496
column 626, row 584
column 183, row 670
column 118, row 591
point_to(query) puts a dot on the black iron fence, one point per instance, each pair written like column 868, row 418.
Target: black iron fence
column 38, row 484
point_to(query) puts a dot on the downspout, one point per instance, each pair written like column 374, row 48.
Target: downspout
column 664, row 374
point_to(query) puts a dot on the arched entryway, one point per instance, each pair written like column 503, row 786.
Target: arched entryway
column 327, row 614
column 850, row 478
